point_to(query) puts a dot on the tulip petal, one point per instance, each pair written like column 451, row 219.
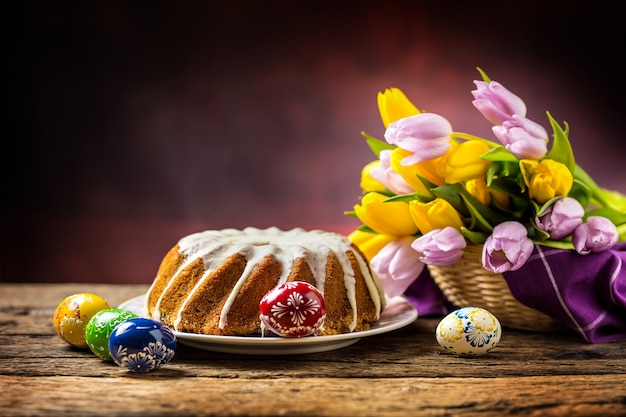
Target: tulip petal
column 426, row 135
column 397, row 266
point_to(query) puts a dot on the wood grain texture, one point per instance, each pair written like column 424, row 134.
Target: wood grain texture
column 400, row 373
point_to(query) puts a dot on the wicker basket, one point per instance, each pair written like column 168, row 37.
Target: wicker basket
column 467, row 283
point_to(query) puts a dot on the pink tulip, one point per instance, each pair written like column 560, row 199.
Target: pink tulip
column 507, row 248
column 397, row 266
column 385, row 174
column 496, row 103
column 440, row 247
column 561, row 218
column 522, row 137
column 426, row 135
column 596, row 235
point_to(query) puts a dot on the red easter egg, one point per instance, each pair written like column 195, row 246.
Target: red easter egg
column 293, row 309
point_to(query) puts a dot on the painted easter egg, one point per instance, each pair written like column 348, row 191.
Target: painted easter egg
column 100, row 327
column 293, row 309
column 142, row 345
column 72, row 315
column 469, row 331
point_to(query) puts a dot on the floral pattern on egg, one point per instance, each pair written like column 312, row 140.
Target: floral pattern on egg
column 142, row 345
column 469, row 331
column 72, row 315
column 100, row 327
column 293, row 309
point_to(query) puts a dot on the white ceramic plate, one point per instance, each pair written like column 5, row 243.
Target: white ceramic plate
column 398, row 313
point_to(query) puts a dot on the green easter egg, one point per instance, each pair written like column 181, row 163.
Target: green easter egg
column 100, row 327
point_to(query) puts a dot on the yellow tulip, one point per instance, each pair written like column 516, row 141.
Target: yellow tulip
column 370, row 243
column 427, row 169
column 463, row 162
column 394, row 105
column 389, row 218
column 479, row 189
column 436, row 214
column 368, row 183
column 546, row 179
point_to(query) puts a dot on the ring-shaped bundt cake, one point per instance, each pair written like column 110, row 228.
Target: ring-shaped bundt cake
column 212, row 282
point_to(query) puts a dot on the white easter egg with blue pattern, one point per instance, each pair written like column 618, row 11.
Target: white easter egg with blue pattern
column 469, row 331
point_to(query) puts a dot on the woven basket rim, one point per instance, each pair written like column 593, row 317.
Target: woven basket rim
column 467, row 284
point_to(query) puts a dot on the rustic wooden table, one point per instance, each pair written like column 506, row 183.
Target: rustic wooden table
column 400, row 373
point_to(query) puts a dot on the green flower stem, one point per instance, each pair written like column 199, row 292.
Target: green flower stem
column 467, row 136
column 601, row 196
column 612, row 199
column 559, row 244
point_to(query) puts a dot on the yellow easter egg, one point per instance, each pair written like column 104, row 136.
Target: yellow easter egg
column 72, row 315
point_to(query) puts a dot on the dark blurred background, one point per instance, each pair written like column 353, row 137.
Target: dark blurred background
column 130, row 124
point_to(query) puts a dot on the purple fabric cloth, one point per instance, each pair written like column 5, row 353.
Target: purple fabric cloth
column 586, row 293
column 426, row 296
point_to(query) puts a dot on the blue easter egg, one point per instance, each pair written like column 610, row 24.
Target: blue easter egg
column 142, row 345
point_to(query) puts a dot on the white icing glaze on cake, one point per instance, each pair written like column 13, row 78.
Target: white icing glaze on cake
column 215, row 246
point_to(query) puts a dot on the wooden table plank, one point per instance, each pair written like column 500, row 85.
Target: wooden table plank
column 364, row 359
column 403, row 372
column 174, row 392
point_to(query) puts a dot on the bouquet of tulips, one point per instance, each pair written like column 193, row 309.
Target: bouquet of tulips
column 432, row 191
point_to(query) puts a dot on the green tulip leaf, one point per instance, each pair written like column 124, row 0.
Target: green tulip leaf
column 580, row 192
column 608, row 198
column 478, row 221
column 507, row 186
column 583, row 183
column 537, row 235
column 429, row 185
column 367, row 229
column 561, row 147
column 452, row 194
column 467, row 205
column 484, row 75
column 377, row 145
column 541, row 210
column 409, row 197
column 559, row 244
column 500, row 154
column 384, row 191
column 616, row 217
column 516, row 211
column 473, row 236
